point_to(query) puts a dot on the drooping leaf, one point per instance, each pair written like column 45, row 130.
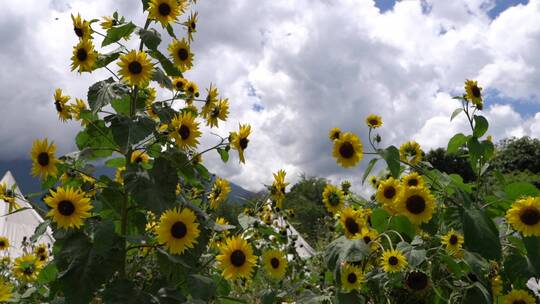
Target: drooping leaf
column 456, row 113
column 167, row 65
column 127, row 132
column 456, row 142
column 118, row 32
column 160, row 77
column 370, row 166
column 391, row 156
column 224, row 154
column 151, row 38
column 103, row 92
column 480, row 125
column 532, row 244
column 98, row 138
column 481, row 234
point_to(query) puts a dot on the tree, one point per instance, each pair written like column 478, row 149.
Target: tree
column 518, row 154
column 451, row 163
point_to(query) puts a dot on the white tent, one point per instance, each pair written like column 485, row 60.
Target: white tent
column 21, row 224
column 302, row 247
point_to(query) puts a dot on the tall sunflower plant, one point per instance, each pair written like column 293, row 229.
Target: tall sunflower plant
column 426, row 236
column 146, row 235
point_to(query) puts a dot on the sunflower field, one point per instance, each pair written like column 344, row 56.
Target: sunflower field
column 150, row 234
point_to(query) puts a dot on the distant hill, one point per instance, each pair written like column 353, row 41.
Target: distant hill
column 28, row 184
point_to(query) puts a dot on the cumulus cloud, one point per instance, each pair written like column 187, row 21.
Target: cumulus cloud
column 295, row 69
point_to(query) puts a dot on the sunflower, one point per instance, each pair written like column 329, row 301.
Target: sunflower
column 6, row 291
column 277, row 190
column 352, row 222
column 166, row 11
column 518, row 296
column 348, row 150
column 185, row 130
column 181, row 54
column 77, row 108
column 473, row 93
column 26, row 268
column 452, row 241
column 417, row 281
column 275, row 263
column 239, row 141
column 43, row 159
column 8, row 196
column 178, row 230
column 139, row 156
column 417, row 204
column 351, row 277
column 368, row 236
column 108, row 22
column 179, row 83
column 191, row 25
column 410, row 152
column 334, row 134
column 388, row 192
column 81, row 27
column 119, row 175
column 393, row 261
column 333, row 198
column 524, row 216
column 219, row 111
column 41, row 252
column 192, row 89
column 135, row 68
column 413, row 179
column 236, row 258
column 373, row 121
column 60, row 102
column 4, row 243
column 69, row 207
column 496, row 285
column 84, row 57
column 374, row 182
column 211, row 100
column 219, row 193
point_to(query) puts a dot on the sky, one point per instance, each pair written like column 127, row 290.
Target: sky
column 296, row 69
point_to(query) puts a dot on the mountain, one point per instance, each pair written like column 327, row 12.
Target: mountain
column 28, row 184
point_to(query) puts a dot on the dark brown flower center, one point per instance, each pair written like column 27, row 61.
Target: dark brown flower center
column 28, row 270
column 184, row 132
column 183, row 54
column 393, row 261
column 135, row 67
column 244, row 143
column 373, row 122
column 335, row 135
column 66, row 208
column 475, row 90
column 530, row 216
column 58, row 106
column 346, row 150
column 193, row 25
column 417, row 280
column 82, row 54
column 352, row 226
column 43, row 159
column 275, row 263
column 453, row 239
column 238, row 258
column 334, row 199
column 2, row 244
column 164, row 9
column 367, row 239
column 179, row 85
column 178, row 230
column 389, row 192
column 412, row 182
column 351, row 278
column 519, row 302
column 416, row 204
column 78, row 31
column 138, row 159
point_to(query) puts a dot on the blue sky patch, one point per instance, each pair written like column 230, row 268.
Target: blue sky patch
column 502, row 5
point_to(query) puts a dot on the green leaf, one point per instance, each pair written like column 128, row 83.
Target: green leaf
column 40, row 230
column 515, row 191
column 118, row 32
column 123, row 291
column 476, row 151
column 480, row 125
column 245, row 220
column 456, row 142
column 167, row 65
column 170, row 30
column 201, row 287
column 379, row 219
column 154, row 189
column 160, row 77
column 122, row 105
column 103, row 92
column 477, row 294
column 127, row 132
column 116, row 162
column 104, row 59
column 391, row 156
column 344, row 250
column 151, row 38
column 402, row 225
column 481, row 234
column 224, row 154
column 370, row 166
column 456, row 113
column 97, row 137
column 82, row 268
column 47, row 274
column 532, row 244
